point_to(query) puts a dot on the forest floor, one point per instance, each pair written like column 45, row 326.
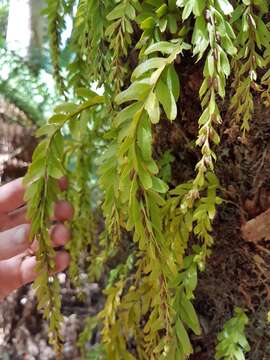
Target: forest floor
column 237, row 273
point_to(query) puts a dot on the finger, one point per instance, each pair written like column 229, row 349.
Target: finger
column 27, row 272
column 14, row 241
column 60, row 236
column 20, row 270
column 14, row 218
column 63, row 210
column 63, row 183
column 11, row 195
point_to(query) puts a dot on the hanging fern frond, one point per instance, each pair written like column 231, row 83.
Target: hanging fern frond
column 253, row 38
column 158, row 233
column 56, row 25
column 42, row 191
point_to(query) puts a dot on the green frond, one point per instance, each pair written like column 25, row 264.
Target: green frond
column 135, row 51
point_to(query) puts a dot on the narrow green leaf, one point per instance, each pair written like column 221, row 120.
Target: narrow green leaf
column 127, row 113
column 117, row 12
column 198, row 7
column 130, row 11
column 85, row 93
column 166, row 98
column 35, row 171
column 137, row 91
column 183, row 338
column 40, row 151
column 188, row 315
column 200, row 38
column 47, row 130
column 33, row 190
column 225, row 6
column 225, row 64
column 144, row 139
column 162, row 23
column 161, row 46
column 55, row 168
column 172, row 23
column 152, row 107
column 159, row 185
column 148, row 23
column 145, row 178
column 153, row 63
column 65, row 108
column 173, row 81
column 187, row 9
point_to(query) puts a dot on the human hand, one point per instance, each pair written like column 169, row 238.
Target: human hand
column 17, row 259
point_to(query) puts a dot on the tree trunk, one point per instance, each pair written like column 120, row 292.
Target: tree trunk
column 26, row 36
column 238, row 271
column 19, row 29
column 38, row 31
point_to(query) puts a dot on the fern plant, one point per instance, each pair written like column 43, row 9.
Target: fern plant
column 232, row 341
column 42, row 190
column 134, row 49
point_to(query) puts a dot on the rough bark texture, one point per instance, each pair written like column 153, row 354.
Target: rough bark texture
column 238, row 272
column 38, row 32
column 257, row 229
column 17, row 141
column 26, row 37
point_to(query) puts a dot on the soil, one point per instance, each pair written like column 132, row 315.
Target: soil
column 238, row 271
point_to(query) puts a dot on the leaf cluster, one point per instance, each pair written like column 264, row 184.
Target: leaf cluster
column 132, row 48
column 232, row 340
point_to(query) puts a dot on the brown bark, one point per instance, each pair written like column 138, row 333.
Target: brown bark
column 258, row 228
